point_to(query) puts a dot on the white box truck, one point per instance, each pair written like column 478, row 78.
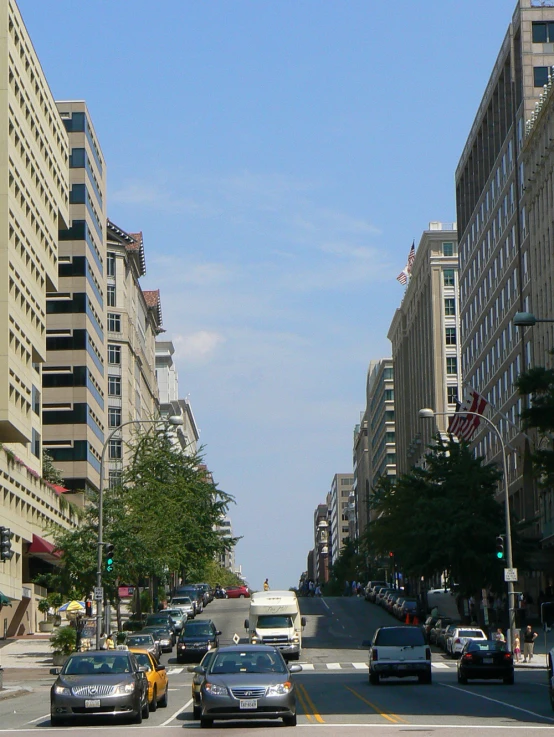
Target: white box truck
column 274, row 619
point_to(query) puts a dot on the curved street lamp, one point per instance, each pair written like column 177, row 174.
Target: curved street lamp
column 429, row 414
column 527, row 319
column 174, row 420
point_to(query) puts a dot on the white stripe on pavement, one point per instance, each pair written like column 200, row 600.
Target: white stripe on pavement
column 361, row 666
column 174, row 671
column 308, row 666
column 439, row 665
column 497, row 701
column 174, row 716
column 334, row 666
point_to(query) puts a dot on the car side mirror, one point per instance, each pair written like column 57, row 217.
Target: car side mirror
column 191, row 668
column 303, row 621
column 246, row 624
column 200, row 670
column 295, row 668
column 55, row 671
column 143, row 669
column 218, row 632
column 366, row 643
column 160, row 667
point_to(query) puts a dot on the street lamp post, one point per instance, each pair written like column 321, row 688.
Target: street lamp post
column 173, row 420
column 527, row 319
column 430, row 413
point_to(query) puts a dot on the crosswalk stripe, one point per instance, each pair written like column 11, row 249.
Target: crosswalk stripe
column 308, row 666
column 439, row 665
column 361, row 666
column 174, row 671
column 334, row 666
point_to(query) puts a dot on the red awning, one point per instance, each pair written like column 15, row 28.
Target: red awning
column 43, row 549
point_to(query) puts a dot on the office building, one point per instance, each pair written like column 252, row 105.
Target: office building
column 337, row 502
column 426, row 344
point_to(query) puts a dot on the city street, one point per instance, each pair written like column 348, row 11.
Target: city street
column 333, row 689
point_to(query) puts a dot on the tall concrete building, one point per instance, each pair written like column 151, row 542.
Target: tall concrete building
column 337, row 502
column 170, row 404
column 227, row 559
column 320, row 555
column 34, row 206
column 74, row 375
column 493, row 227
column 426, row 344
column 134, row 320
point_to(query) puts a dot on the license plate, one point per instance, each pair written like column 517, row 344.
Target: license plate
column 488, row 661
column 402, row 667
column 92, row 703
column 249, row 703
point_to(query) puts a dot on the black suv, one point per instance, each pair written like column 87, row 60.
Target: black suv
column 196, row 639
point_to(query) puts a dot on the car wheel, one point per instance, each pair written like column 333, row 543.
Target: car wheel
column 241, row 596
column 154, row 702
column 196, row 711
column 146, row 709
column 137, row 718
column 425, row 678
column 462, row 679
column 509, row 680
column 374, row 679
column 206, row 722
column 56, row 721
column 165, row 699
column 290, row 721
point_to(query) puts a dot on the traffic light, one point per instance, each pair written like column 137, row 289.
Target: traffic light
column 500, row 547
column 109, row 557
column 391, row 554
column 6, row 552
column 88, row 608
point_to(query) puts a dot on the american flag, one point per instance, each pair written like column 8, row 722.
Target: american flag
column 402, row 277
column 462, row 425
column 407, row 270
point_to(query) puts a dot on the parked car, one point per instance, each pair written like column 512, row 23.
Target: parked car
column 99, row 683
column 207, row 592
column 193, row 593
column 145, row 641
column 445, row 635
column 461, row 636
column 248, row 682
column 373, row 585
column 178, row 617
column 428, row 626
column 436, row 630
column 399, row 651
column 409, row 607
column 375, row 591
column 381, row 595
column 196, row 639
column 486, row 659
column 238, row 592
column 158, row 685
column 186, row 604
column 197, row 681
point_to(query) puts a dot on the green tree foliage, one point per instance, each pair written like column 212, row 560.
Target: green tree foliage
column 538, row 383
column 442, row 518
column 49, row 472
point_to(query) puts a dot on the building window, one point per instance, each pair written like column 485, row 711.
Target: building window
column 114, row 355
column 540, row 76
column 114, row 386
column 111, row 295
column 448, row 277
column 451, row 394
column 389, row 394
column 447, row 249
column 115, row 450
column 114, row 323
column 543, row 33
column 389, row 437
column 451, row 365
column 450, row 336
column 36, row 444
column 114, row 416
column 115, row 478
column 388, row 373
column 110, row 264
column 450, row 306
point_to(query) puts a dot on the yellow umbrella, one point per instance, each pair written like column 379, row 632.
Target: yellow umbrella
column 73, row 606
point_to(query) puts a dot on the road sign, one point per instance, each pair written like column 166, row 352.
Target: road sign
column 236, row 639
column 510, row 574
column 98, row 593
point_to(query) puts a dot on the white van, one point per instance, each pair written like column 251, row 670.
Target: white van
column 274, row 619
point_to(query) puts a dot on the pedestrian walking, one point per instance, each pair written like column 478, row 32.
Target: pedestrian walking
column 499, row 635
column 529, row 638
column 517, row 648
column 354, row 588
column 318, row 590
column 266, row 584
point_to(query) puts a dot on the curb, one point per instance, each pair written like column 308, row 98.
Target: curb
column 14, row 691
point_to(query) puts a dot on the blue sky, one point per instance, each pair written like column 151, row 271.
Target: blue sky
column 279, row 157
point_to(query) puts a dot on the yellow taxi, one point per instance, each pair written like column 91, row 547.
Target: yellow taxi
column 158, row 687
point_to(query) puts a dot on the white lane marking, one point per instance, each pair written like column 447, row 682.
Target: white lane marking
column 439, row 665
column 308, row 666
column 497, row 701
column 360, row 666
column 45, row 716
column 174, row 671
column 325, row 604
column 334, row 666
column 174, row 716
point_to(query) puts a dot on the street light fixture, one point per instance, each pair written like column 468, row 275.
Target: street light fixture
column 527, row 319
column 429, row 414
column 174, row 420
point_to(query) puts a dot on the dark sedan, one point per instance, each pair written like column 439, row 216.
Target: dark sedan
column 248, row 682
column 196, row 639
column 164, row 637
column 486, row 659
column 99, row 683
column 145, row 641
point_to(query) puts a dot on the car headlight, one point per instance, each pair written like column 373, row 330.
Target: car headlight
column 296, row 639
column 62, row 690
column 124, row 688
column 254, row 639
column 280, row 689
column 215, row 690
column 166, row 642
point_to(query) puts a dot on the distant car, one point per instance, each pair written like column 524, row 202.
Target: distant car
column 399, row 651
column 184, row 603
column 371, row 586
column 161, row 619
column 178, row 617
column 207, row 591
column 461, row 636
column 445, row 635
column 144, row 641
column 428, row 625
column 197, row 681
column 409, row 607
column 238, row 592
column 248, row 682
column 158, row 686
column 194, row 593
column 486, row 659
column 196, row 639
column 99, row 683
column 437, row 629
column 164, row 637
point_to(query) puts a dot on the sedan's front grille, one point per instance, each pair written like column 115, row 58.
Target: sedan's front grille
column 276, row 639
column 92, row 691
column 248, row 693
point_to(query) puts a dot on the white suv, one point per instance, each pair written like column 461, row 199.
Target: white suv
column 399, row 652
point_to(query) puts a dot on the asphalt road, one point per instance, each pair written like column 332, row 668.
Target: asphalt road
column 333, row 691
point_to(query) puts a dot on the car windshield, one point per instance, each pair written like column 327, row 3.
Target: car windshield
column 487, row 646
column 276, row 621
column 195, row 629
column 139, row 640
column 143, row 660
column 97, row 664
column 470, row 633
column 174, row 613
column 157, row 619
column 182, row 601
column 247, row 662
column 400, row 637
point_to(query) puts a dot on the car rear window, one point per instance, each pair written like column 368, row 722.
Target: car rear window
column 470, row 633
column 399, row 637
column 487, row 646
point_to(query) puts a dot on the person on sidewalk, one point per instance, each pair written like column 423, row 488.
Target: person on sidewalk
column 529, row 638
column 517, row 648
column 499, row 635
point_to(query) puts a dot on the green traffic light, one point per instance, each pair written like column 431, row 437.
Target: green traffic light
column 500, row 555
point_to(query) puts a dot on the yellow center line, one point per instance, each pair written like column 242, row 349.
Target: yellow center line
column 394, row 718
column 311, row 704
column 303, row 703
